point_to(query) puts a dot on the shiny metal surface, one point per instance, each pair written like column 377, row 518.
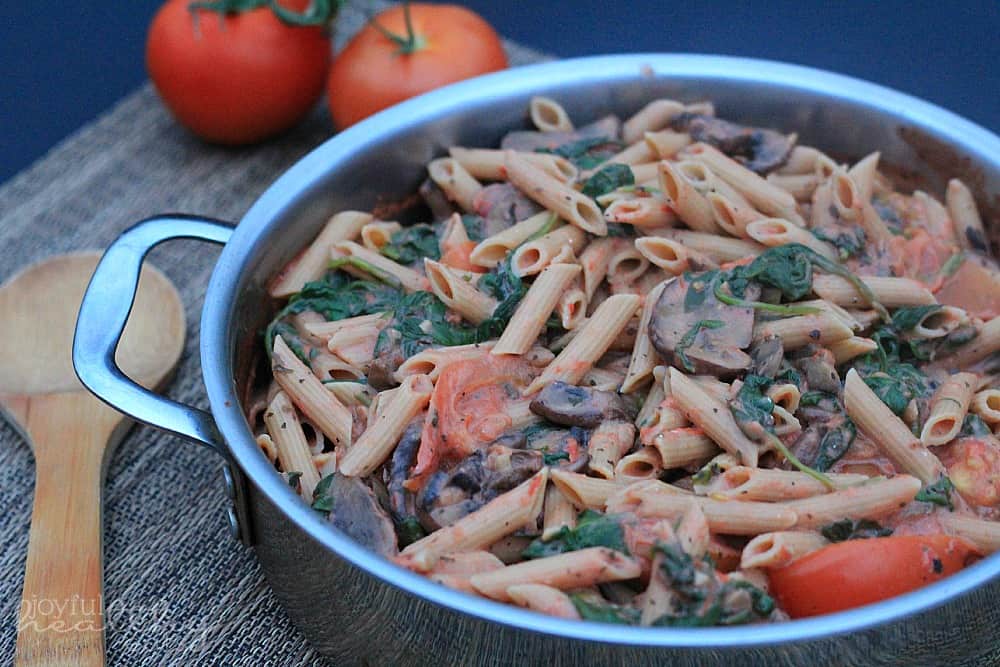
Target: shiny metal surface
column 359, row 608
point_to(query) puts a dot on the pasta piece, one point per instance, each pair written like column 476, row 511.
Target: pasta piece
column 548, row 115
column 569, row 204
column 409, row 279
column 940, row 323
column 773, row 484
column 458, row 294
column 980, row 347
column 433, row 360
column 731, row 216
column 766, row 197
column 713, row 416
column 376, row 234
column 493, row 250
column 890, row 292
column 644, row 356
column 377, row 442
column 785, row 395
column 453, row 235
column 984, row 534
column 584, row 492
column 501, row 516
column 638, row 466
column 645, row 174
column 532, row 256
column 590, row 344
column 684, row 446
column 888, row 431
column 672, row 256
column 488, row 164
column 641, row 212
column 964, row 214
column 458, row 184
column 689, row 204
column 543, row 599
column 594, row 260
column 717, row 248
column 654, row 116
column 637, row 152
column 608, row 444
column 325, row 330
column 572, row 307
column 986, row 404
column 949, row 406
column 559, row 513
column 874, row 499
column 534, row 309
column 863, row 174
column 849, row 348
column 796, row 332
column 309, row 394
column 802, row 160
column 626, row 264
column 312, row 263
column 659, row 500
column 575, row 569
column 356, row 346
column 290, row 444
column 775, row 232
column 774, row 550
column 667, row 143
column 800, row 186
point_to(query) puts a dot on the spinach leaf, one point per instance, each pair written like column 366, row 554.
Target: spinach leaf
column 815, row 397
column 938, row 493
column 322, row 501
column 608, row 179
column 898, row 386
column 619, row 230
column 292, row 477
column 887, row 212
column 849, row 242
column 974, row 427
column 593, row 529
column 411, row 244
column 551, row 458
column 688, row 340
column 851, row 529
column 604, row 612
column 706, row 473
column 475, row 226
column 905, row 319
column 834, row 444
column 586, row 153
column 408, row 531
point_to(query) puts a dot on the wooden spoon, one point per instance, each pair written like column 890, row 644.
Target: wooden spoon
column 61, row 620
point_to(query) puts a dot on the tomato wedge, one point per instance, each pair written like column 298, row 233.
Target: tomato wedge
column 859, row 572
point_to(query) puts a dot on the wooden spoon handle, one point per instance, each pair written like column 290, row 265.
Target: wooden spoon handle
column 61, row 620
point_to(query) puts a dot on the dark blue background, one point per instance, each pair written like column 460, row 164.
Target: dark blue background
column 66, row 62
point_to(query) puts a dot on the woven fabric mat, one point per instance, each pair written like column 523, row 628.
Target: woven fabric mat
column 178, row 589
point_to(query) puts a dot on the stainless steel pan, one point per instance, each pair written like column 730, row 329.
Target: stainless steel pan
column 358, row 608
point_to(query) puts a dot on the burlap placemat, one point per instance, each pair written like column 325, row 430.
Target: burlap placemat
column 178, row 589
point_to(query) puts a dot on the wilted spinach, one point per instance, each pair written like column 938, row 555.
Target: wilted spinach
column 593, row 529
column 608, row 179
column 851, row 529
column 602, row 611
column 938, row 493
column 586, row 153
column 688, row 340
column 412, row 244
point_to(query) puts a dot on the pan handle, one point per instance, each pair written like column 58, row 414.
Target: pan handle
column 105, row 309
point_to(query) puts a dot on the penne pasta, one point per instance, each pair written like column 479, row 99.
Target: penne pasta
column 458, row 294
column 291, row 449
column 776, row 232
column 874, row 499
column 456, row 183
column 712, row 416
column 376, row 234
column 823, row 328
column 644, row 356
column 488, row 164
column 689, row 204
column 583, row 491
column 638, row 466
column 548, row 115
column 772, row 484
column 778, row 549
column 309, row 394
column 532, row 256
column 382, row 267
column 890, row 292
column 949, row 406
column 654, row 116
column 533, row 311
column 608, row 444
column 986, row 404
column 558, row 513
column 572, row 206
column 968, row 224
column 312, row 263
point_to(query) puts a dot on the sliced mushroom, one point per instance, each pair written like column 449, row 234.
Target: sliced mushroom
column 700, row 333
column 478, row 479
column 570, row 405
column 819, row 367
column 608, row 127
column 760, row 150
column 403, row 458
column 766, row 356
column 384, row 366
column 501, row 205
column 357, row 512
column 561, row 448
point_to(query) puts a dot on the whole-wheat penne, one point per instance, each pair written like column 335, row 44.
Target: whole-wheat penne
column 543, row 599
column 493, row 250
column 986, row 404
column 311, row 264
column 377, row 233
column 775, row 232
column 291, row 448
column 667, row 143
column 949, row 406
column 488, row 164
column 583, row 491
column 644, row 356
column 712, row 416
column 534, row 255
column 778, row 549
column 376, row 443
column 575, row 569
column 501, row 516
column 690, row 205
column 849, row 348
column 640, row 212
column 717, row 248
column 458, row 294
column 983, row 345
column 309, row 394
column 822, row 328
column 558, row 513
column 548, row 115
column 458, row 184
column 382, row 266
column 591, row 343
column 965, row 216
column 608, row 444
column 654, row 116
column 533, row 311
column 570, row 205
column 890, row 292
column 638, row 466
column 985, row 535
column 872, row 500
column 888, row 431
column 771, row 484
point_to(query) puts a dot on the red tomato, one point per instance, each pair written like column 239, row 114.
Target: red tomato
column 235, row 78
column 373, row 72
column 859, row 572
